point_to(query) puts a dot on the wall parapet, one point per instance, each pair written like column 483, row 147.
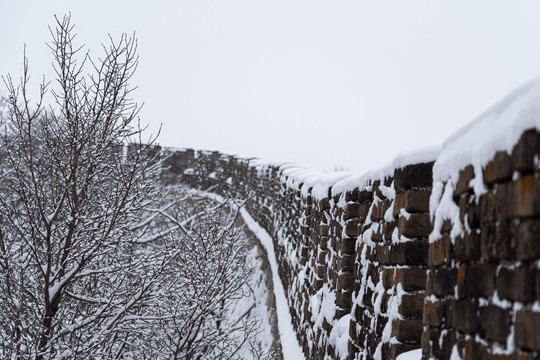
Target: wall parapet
column 439, row 249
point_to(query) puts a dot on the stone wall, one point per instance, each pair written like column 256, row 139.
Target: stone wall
column 483, row 282
column 360, row 251
column 365, row 249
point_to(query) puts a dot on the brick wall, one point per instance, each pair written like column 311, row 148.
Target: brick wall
column 484, row 280
column 396, row 273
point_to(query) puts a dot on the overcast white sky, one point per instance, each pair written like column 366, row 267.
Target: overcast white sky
column 320, row 83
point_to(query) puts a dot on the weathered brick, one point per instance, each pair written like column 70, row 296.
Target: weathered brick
column 345, row 281
column 412, row 305
column 433, row 313
column 407, row 330
column 413, row 176
column 379, row 209
column 527, row 330
column 351, row 211
column 343, row 299
column 417, row 200
column 441, row 281
column 352, row 228
column 465, row 177
column 388, row 276
column 351, row 195
column 476, row 281
column 525, row 150
column 494, row 323
column 465, row 318
column 467, row 247
column 345, row 263
column 440, row 251
column 410, row 253
column 411, row 279
column 418, row 225
column 525, row 199
column 499, row 169
column 528, row 240
column 323, row 242
column 399, row 203
column 516, row 284
column 348, row 246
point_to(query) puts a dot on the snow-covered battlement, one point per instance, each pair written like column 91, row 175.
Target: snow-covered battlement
column 438, row 249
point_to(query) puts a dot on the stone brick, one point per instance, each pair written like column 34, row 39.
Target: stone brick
column 323, row 230
column 433, row 313
column 476, row 281
column 410, row 253
column 465, row 177
column 365, row 196
column 525, row 150
column 494, row 323
column 351, row 211
column 499, row 169
column 516, row 284
column 441, row 281
column 412, row 305
column 379, row 209
column 467, row 247
column 352, row 228
column 464, row 316
column 525, row 199
column 440, row 251
column 344, row 299
column 411, row 279
column 407, row 330
column 417, row 200
column 527, row 330
column 388, row 276
column 528, row 240
column 418, row 225
column 351, row 195
column 399, row 203
column 413, row 176
column 345, row 263
column 323, row 242
column 348, row 246
column 345, row 281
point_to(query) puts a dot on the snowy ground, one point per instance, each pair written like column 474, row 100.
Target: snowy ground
column 291, row 348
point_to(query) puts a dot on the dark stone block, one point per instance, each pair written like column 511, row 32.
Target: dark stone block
column 348, row 246
column 516, row 284
column 476, row 281
column 433, row 313
column 418, row 225
column 345, row 281
column 499, row 169
column 411, row 279
column 417, row 200
column 413, row 176
column 494, row 323
column 465, row 177
column 467, row 247
column 388, row 276
column 528, row 240
column 525, row 196
column 351, row 195
column 465, row 318
column 441, row 281
column 527, row 330
column 352, row 228
column 410, row 253
column 412, row 305
column 346, row 263
column 407, row 330
column 351, row 211
column 440, row 251
column 365, row 196
column 525, row 150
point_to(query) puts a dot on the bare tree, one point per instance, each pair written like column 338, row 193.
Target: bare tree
column 96, row 259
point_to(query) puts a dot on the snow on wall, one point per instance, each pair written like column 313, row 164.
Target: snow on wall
column 439, row 249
